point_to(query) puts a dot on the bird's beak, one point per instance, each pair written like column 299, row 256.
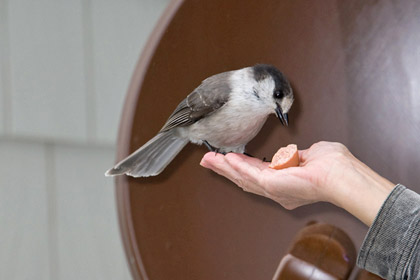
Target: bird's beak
column 284, row 118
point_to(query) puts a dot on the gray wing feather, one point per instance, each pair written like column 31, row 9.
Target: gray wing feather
column 212, row 94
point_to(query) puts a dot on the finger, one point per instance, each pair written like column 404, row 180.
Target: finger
column 260, row 179
column 244, row 165
column 249, row 170
column 209, row 159
column 303, row 154
column 250, row 160
column 265, row 181
column 222, row 166
column 218, row 164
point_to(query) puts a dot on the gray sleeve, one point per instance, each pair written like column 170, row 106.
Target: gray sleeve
column 391, row 248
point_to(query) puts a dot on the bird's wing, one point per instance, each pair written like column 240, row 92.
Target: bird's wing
column 212, row 94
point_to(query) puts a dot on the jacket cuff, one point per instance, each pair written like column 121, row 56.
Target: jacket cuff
column 392, row 240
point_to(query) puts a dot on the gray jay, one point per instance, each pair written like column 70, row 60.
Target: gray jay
column 225, row 112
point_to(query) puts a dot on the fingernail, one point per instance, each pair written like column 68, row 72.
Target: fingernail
column 203, row 163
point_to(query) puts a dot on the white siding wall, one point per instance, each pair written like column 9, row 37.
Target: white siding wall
column 24, row 229
column 46, row 64
column 114, row 46
column 2, row 114
column 4, row 67
column 65, row 67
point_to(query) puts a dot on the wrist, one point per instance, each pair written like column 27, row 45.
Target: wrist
column 361, row 192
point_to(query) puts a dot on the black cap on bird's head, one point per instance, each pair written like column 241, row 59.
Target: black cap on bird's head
column 282, row 91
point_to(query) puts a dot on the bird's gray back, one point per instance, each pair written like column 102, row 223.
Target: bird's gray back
column 212, row 94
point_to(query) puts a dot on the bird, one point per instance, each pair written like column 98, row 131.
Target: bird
column 224, row 113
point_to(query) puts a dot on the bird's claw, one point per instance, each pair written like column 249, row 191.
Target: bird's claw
column 264, row 158
column 213, row 149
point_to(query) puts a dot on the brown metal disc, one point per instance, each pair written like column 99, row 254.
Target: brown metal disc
column 353, row 68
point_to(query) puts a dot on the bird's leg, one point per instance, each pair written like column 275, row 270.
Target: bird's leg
column 212, row 149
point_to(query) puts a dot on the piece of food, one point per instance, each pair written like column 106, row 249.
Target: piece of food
column 285, row 157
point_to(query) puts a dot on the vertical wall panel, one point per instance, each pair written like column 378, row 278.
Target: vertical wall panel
column 2, row 98
column 3, row 64
column 120, row 30
column 47, row 70
column 24, row 232
column 64, row 70
column 89, row 245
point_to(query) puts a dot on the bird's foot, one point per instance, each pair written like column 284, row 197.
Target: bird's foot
column 264, row 158
column 212, row 149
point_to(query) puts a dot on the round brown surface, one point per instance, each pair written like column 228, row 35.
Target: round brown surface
column 354, row 69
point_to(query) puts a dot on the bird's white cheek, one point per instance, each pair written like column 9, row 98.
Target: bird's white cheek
column 286, row 104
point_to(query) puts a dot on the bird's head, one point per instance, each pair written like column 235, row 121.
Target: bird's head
column 275, row 89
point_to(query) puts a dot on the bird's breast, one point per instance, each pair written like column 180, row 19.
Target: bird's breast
column 230, row 128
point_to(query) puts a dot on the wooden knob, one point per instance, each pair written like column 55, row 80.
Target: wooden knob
column 319, row 251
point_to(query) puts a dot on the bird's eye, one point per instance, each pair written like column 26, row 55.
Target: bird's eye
column 278, row 94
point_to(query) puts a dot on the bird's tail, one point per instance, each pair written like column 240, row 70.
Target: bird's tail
column 152, row 157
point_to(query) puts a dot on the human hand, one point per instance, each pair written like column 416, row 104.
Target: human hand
column 327, row 172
